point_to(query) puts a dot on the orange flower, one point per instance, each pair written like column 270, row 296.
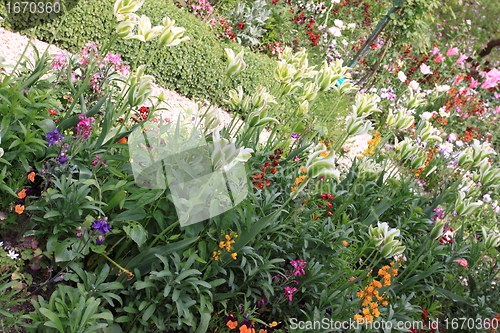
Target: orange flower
column 273, row 324
column 22, row 194
column 246, row 329
column 258, row 176
column 274, row 170
column 19, row 209
column 345, row 243
column 31, row 176
column 303, row 169
column 232, row 324
column 123, row 140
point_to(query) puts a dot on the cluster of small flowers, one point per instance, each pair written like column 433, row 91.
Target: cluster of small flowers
column 227, row 245
column 371, row 297
column 299, row 266
column 83, row 128
column 97, row 160
column 61, row 60
column 247, row 326
column 269, row 166
column 327, row 197
column 202, row 8
column 141, row 115
column 226, row 24
column 102, row 227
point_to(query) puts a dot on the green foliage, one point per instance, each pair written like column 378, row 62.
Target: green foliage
column 68, row 310
column 252, row 18
column 195, row 69
column 172, row 297
column 409, row 21
column 9, row 297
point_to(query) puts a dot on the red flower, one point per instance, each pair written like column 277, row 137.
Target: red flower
column 241, row 25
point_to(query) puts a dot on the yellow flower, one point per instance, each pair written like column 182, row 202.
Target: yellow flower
column 233, row 255
column 359, row 318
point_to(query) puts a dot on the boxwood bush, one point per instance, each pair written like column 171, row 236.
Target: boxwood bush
column 194, row 69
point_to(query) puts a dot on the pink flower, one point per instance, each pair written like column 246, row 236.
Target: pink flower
column 461, row 59
column 435, row 51
column 299, row 266
column 458, row 79
column 492, row 78
column 289, row 291
column 462, row 262
column 439, row 58
column 452, row 51
column 59, row 61
column 473, row 83
column 425, row 69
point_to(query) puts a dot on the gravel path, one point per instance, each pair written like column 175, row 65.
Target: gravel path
column 13, row 44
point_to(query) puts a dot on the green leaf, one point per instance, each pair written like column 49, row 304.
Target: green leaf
column 143, row 261
column 136, row 232
column 117, row 198
column 131, row 215
column 149, row 312
column 454, row 297
column 54, row 322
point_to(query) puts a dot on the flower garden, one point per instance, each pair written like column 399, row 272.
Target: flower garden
column 116, row 218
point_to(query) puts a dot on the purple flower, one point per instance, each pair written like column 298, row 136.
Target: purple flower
column 294, row 136
column 262, row 302
column 54, row 137
column 102, row 226
column 99, row 240
column 62, row 158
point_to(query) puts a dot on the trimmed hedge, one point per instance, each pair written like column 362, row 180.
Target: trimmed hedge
column 194, row 69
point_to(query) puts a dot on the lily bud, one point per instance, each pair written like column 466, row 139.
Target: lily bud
column 235, row 63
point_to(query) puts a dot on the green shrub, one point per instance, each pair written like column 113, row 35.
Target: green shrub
column 195, row 69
